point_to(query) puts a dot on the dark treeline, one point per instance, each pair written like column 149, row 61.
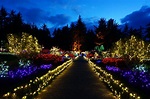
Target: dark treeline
column 106, row 33
column 12, row 22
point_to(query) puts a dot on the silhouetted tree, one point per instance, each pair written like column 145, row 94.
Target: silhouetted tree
column 57, row 37
column 113, row 34
column 107, row 33
column 100, row 31
column 45, row 37
column 3, row 23
column 79, row 34
column 135, row 32
column 90, row 40
column 102, row 26
column 125, row 32
column 13, row 23
column 147, row 36
column 66, row 38
column 16, row 23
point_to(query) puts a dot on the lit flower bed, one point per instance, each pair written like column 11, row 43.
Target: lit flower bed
column 71, row 55
column 23, row 72
column 48, row 58
column 112, row 68
column 113, row 61
column 90, row 55
column 55, row 60
column 137, row 78
column 116, row 86
column 32, row 88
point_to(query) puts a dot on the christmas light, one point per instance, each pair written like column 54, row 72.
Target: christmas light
column 118, row 88
column 4, row 69
column 24, row 44
column 133, row 47
column 99, row 48
column 35, row 86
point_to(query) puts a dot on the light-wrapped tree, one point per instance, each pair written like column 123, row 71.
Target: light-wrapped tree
column 14, row 45
column 119, row 48
column 134, row 48
column 24, row 44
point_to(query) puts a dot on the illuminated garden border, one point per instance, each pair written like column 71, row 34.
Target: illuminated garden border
column 35, row 86
column 118, row 88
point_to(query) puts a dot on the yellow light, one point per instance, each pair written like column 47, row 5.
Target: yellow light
column 108, row 79
column 42, row 81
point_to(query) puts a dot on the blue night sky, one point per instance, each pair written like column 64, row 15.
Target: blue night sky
column 57, row 13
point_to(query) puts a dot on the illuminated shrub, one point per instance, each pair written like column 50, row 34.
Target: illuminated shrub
column 47, row 59
column 26, row 44
column 71, row 55
column 90, row 55
column 134, row 50
column 55, row 51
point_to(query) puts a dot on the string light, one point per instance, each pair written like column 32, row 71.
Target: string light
column 35, row 86
column 24, row 44
column 118, row 88
column 138, row 77
column 4, row 69
column 133, row 47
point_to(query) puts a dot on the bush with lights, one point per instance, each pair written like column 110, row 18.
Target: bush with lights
column 26, row 44
column 128, row 61
column 133, row 50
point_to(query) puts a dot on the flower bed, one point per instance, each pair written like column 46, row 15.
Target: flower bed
column 23, row 72
column 47, row 59
column 33, row 87
column 120, row 90
column 134, row 78
column 119, row 62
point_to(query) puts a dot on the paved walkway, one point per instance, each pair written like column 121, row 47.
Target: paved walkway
column 76, row 82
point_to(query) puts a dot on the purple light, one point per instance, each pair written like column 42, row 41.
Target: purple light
column 135, row 77
column 98, row 61
column 112, row 68
column 22, row 72
column 46, row 66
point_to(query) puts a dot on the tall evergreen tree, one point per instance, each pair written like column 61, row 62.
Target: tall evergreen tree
column 44, row 36
column 107, row 32
column 3, row 23
column 79, row 35
column 147, row 36
column 90, row 40
column 66, row 38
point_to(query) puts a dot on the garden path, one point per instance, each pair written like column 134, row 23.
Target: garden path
column 77, row 82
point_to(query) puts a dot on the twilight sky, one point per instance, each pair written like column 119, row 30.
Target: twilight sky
column 57, row 13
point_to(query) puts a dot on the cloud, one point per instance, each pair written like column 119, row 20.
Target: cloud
column 59, row 19
column 11, row 4
column 138, row 18
column 78, row 9
column 91, row 22
column 34, row 15
column 39, row 16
